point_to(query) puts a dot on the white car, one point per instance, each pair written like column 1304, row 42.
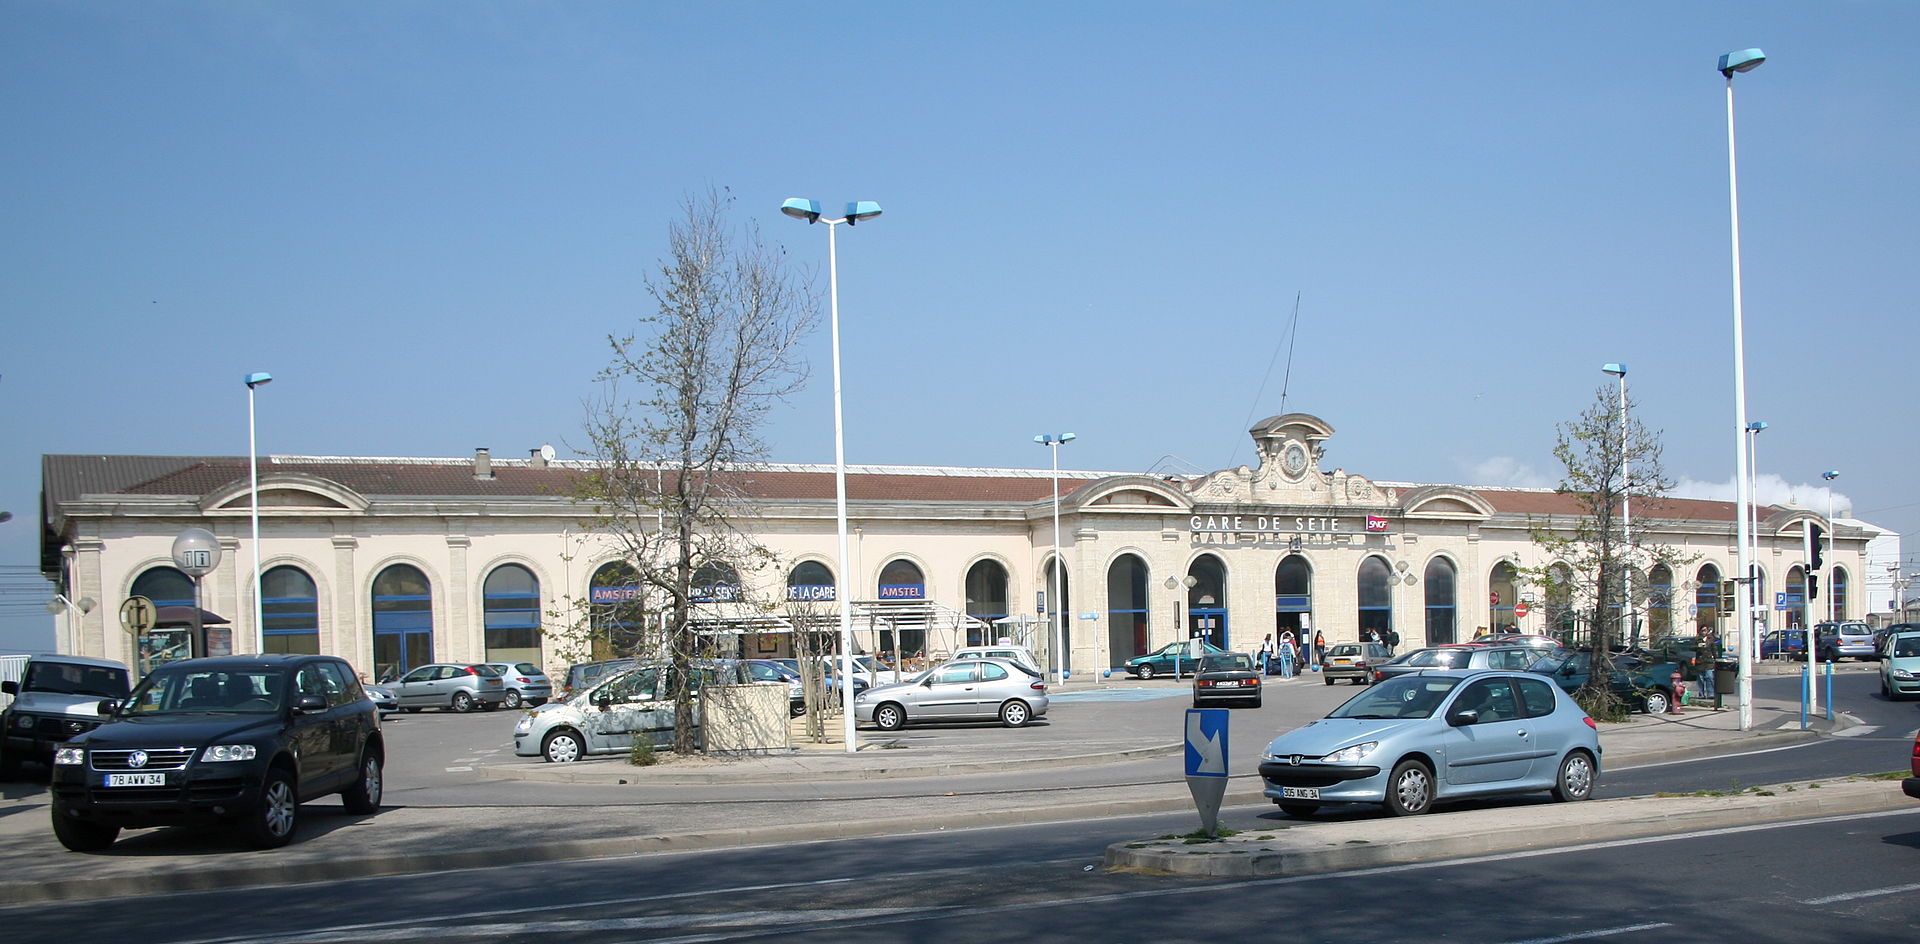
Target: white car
column 612, row 714
column 1020, row 654
column 958, row 690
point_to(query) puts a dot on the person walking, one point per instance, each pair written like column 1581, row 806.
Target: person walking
column 1319, row 649
column 1266, row 655
column 1286, row 655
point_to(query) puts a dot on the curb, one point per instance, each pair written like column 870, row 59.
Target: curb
column 1484, row 832
column 614, row 772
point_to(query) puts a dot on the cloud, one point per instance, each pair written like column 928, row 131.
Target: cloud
column 1506, row 470
column 1768, row 489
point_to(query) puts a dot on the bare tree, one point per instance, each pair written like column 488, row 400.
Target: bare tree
column 1594, row 564
column 719, row 352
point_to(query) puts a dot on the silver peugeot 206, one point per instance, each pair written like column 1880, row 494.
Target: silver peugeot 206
column 1435, row 735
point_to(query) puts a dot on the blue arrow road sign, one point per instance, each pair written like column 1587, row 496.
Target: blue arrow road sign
column 1206, row 742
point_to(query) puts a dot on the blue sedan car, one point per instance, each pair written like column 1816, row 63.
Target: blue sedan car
column 1436, row 735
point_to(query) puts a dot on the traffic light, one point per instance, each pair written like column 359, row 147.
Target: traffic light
column 1727, row 590
column 1814, row 553
column 1813, row 586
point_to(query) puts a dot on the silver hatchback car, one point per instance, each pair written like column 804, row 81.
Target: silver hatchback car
column 960, row 690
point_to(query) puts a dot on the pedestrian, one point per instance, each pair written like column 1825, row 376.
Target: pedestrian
column 1286, row 655
column 1319, row 650
column 1266, row 655
column 1392, row 641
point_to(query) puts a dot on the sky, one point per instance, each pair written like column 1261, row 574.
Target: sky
column 424, row 219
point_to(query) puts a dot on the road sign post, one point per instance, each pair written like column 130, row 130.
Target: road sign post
column 1206, row 756
column 137, row 615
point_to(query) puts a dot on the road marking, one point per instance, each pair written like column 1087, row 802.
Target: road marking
column 1849, row 896
column 1861, row 731
column 1586, row 935
column 455, row 770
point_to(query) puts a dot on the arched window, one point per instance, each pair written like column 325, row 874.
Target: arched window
column 1660, row 601
column 1796, row 597
column 986, row 598
column 289, row 612
column 617, row 611
column 1293, row 598
column 1376, row 596
column 1439, row 581
column 811, row 582
column 166, row 586
column 512, row 604
column 1762, row 602
column 1706, row 598
column 716, row 582
column 1838, row 598
column 1563, row 621
column 1059, row 607
column 402, row 621
column 1207, row 600
column 902, row 581
column 1502, row 595
column 1126, row 609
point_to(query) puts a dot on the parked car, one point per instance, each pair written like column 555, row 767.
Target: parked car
column 1174, row 658
column 583, row 675
column 1020, row 654
column 1354, row 661
column 1783, row 644
column 452, row 686
column 769, row 670
column 1514, row 658
column 957, row 690
column 1644, row 685
column 56, row 698
column 830, row 671
column 1520, row 639
column 1911, row 785
column 1849, row 640
column 244, row 739
column 1228, row 677
column 525, row 684
column 382, row 698
column 616, row 712
column 1900, row 666
column 1437, row 735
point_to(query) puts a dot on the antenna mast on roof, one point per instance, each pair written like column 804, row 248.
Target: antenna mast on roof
column 1293, row 331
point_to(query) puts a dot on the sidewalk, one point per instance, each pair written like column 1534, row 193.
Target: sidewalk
column 818, row 793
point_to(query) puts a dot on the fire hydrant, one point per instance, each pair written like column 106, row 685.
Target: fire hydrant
column 1679, row 689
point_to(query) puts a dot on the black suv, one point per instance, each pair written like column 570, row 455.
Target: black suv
column 241, row 739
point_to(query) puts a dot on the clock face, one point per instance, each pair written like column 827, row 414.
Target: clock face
column 1294, row 460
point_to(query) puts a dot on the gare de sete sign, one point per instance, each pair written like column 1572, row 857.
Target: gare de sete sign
column 1284, row 524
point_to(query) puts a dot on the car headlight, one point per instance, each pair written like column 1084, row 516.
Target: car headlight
column 69, row 757
column 1903, row 675
column 23, row 722
column 226, row 752
column 1350, row 755
column 523, row 726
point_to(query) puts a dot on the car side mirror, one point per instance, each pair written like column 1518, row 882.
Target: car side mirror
column 105, row 708
column 1567, row 670
column 603, row 701
column 309, row 703
column 927, row 682
column 10, row 686
column 1463, row 717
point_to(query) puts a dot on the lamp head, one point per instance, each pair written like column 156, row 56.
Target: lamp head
column 1053, row 439
column 257, row 378
column 1618, row 370
column 1756, row 426
column 1830, row 474
column 800, row 209
column 1746, row 60
column 862, row 210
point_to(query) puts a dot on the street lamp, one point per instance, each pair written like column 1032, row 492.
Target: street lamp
column 1053, row 442
column 60, row 603
column 1626, row 514
column 809, row 210
column 1745, row 60
column 1757, row 628
column 253, row 381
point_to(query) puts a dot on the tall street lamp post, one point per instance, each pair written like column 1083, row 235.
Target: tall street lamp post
column 1626, row 513
column 1746, row 60
column 809, row 210
column 1053, row 441
column 254, row 381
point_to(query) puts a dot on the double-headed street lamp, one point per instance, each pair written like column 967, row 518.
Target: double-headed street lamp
column 255, row 380
column 1053, row 442
column 1746, row 60
column 809, row 210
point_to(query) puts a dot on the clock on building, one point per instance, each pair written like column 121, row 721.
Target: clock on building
column 1294, row 459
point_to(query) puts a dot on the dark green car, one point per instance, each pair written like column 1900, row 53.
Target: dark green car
column 1645, row 685
column 1164, row 661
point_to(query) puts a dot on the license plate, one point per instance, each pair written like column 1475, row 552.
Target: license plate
column 1300, row 793
column 136, row 780
column 1228, row 683
column 1343, row 662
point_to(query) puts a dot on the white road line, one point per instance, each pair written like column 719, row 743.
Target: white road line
column 455, row 770
column 1849, row 896
column 1587, row 935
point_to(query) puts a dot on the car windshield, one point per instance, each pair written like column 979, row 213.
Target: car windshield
column 67, row 678
column 1447, row 658
column 1403, row 696
column 189, row 691
column 486, row 671
column 528, row 668
column 1345, row 649
column 1226, row 663
column 1906, row 647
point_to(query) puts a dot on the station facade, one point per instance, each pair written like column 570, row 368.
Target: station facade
column 395, row 562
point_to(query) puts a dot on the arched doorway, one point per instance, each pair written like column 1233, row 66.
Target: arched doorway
column 1056, row 610
column 1706, row 600
column 1501, row 596
column 1442, row 623
column 1126, row 609
column 166, row 586
column 1797, row 597
column 901, row 580
column 616, row 611
column 511, row 598
column 1659, row 601
column 1207, row 600
column 289, row 612
column 1293, row 598
column 986, row 599
column 402, row 621
column 1837, row 599
column 1375, row 590
column 1563, row 621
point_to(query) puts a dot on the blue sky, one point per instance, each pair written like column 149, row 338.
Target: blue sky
column 425, row 218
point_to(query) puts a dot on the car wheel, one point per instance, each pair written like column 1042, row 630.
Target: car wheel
column 364, row 796
column 1324, row 677
column 1015, row 714
column 1146, row 673
column 1300, row 810
column 561, row 747
column 78, row 834
column 1657, row 702
column 796, row 709
column 1576, row 778
column 462, row 702
column 411, row 711
column 1409, row 789
column 512, row 700
column 890, row 717
column 273, row 819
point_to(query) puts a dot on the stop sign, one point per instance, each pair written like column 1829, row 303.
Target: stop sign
column 1520, row 610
